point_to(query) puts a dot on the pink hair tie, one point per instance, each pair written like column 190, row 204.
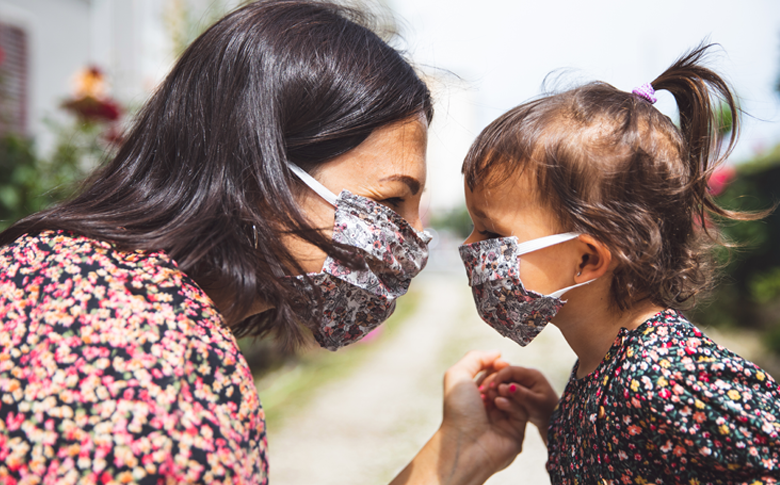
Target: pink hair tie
column 646, row 91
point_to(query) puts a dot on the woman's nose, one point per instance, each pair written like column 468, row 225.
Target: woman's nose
column 416, row 222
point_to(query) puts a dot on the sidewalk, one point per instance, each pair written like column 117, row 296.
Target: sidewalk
column 364, row 429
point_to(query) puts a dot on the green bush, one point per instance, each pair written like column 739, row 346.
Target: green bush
column 748, row 295
column 29, row 183
column 21, row 190
column 456, row 220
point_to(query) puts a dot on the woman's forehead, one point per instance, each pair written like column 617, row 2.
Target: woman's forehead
column 395, row 152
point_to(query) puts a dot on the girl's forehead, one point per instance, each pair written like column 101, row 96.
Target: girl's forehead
column 517, row 191
column 511, row 207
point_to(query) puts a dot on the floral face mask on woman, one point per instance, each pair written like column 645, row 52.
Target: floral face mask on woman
column 493, row 268
column 354, row 302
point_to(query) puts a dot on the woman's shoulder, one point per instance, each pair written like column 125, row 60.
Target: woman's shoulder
column 58, row 270
column 58, row 284
column 67, row 288
column 100, row 331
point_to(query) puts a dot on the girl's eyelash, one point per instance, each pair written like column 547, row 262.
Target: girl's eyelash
column 489, row 235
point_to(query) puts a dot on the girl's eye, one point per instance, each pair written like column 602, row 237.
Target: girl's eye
column 489, row 235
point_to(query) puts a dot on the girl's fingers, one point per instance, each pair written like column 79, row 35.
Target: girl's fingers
column 519, row 393
column 512, row 409
column 529, row 378
column 511, row 389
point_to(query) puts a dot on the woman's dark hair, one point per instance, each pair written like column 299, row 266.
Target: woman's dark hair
column 611, row 165
column 207, row 159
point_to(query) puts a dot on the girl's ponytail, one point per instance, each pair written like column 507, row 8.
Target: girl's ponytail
column 703, row 99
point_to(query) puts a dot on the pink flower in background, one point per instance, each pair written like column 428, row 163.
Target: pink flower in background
column 719, row 179
column 90, row 101
column 93, row 109
column 372, row 335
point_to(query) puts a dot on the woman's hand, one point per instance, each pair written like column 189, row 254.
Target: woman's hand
column 512, row 386
column 474, row 441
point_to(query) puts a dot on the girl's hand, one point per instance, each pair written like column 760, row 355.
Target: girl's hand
column 514, row 385
column 473, row 442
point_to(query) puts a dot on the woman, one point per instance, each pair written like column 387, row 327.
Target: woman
column 216, row 219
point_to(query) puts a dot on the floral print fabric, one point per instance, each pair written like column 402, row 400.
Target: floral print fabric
column 502, row 301
column 667, row 405
column 357, row 301
column 115, row 367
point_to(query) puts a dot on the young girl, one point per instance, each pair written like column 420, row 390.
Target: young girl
column 596, row 194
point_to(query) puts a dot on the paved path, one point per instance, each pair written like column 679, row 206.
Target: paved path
column 364, row 428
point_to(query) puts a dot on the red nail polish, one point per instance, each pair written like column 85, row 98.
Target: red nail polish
column 492, row 385
column 481, row 388
column 512, row 388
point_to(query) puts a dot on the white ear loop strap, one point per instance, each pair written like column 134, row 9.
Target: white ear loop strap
column 559, row 293
column 543, row 242
column 321, row 190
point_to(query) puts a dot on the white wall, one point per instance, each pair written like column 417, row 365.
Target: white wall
column 58, row 41
column 125, row 38
column 449, row 138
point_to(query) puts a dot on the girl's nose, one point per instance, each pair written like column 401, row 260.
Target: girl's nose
column 473, row 237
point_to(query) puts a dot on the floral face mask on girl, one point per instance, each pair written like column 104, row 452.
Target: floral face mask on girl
column 493, row 268
column 354, row 302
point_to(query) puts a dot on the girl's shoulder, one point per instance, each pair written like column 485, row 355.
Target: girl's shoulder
column 693, row 398
column 668, row 344
column 670, row 334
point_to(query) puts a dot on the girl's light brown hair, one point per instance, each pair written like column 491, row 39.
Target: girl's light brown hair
column 612, row 166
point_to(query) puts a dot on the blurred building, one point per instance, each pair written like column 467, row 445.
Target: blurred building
column 46, row 42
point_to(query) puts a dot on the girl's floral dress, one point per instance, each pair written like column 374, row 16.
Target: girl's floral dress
column 115, row 367
column 667, row 405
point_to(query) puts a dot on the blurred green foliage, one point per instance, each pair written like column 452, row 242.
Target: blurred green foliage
column 29, row 182
column 19, row 182
column 748, row 295
column 457, row 220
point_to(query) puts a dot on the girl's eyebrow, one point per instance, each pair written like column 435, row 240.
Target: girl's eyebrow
column 479, row 214
column 411, row 182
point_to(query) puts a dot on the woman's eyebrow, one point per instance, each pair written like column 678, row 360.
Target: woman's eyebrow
column 413, row 183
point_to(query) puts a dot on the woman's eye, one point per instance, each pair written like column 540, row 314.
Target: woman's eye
column 392, row 201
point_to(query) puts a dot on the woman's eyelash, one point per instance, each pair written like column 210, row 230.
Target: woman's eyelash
column 394, row 201
column 489, row 235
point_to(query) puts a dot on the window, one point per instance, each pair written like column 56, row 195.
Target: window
column 13, row 79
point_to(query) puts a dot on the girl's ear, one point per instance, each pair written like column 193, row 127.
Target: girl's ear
column 594, row 259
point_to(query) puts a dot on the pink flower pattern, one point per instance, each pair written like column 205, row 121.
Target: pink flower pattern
column 667, row 405
column 115, row 367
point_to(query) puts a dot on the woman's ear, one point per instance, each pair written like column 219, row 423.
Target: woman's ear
column 594, row 260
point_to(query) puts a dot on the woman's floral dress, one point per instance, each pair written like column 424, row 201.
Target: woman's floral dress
column 115, row 367
column 667, row 405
